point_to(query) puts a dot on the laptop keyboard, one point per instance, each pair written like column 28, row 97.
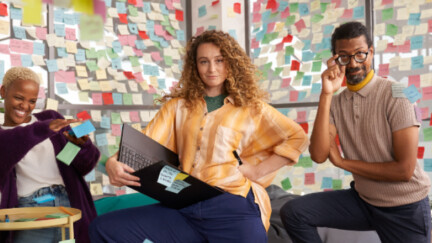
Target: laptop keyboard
column 133, row 159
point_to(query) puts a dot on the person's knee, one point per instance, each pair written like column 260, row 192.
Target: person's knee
column 290, row 212
column 96, row 227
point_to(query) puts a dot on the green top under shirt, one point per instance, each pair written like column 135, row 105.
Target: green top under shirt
column 214, row 103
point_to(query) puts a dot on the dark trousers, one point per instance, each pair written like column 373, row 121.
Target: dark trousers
column 225, row 218
column 344, row 209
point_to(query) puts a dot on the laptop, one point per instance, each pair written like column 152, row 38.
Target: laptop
column 157, row 168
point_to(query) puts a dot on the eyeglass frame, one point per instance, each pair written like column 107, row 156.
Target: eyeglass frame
column 354, row 55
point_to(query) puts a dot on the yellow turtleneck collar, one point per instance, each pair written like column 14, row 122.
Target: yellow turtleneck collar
column 359, row 86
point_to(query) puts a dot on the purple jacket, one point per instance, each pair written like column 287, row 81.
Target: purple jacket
column 14, row 145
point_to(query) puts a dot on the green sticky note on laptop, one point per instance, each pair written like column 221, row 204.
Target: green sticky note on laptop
column 68, row 153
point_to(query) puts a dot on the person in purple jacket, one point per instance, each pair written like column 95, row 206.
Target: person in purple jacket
column 29, row 169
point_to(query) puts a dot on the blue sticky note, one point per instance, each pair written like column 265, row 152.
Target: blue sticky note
column 427, row 165
column 328, row 29
column 287, row 59
column 161, row 83
column 80, row 55
column 163, row 9
column 347, row 172
column 307, row 80
column 39, row 48
column 256, row 52
column 117, row 98
column 358, row 12
column 211, row 27
column 265, row 16
column 121, row 7
column 147, row 241
column 26, row 61
column 316, row 88
column 140, row 44
column 61, row 52
column 416, row 42
column 117, row 46
column 150, row 25
column 146, row 7
column 116, row 63
column 61, row 88
column 105, row 122
column 180, row 35
column 101, row 139
column 202, row 11
column 301, row 95
column 414, row 19
column 133, row 28
column 260, row 35
column 164, row 43
column 307, row 44
column 91, row 176
column 15, row 13
column 284, row 111
column 283, row 5
column 58, row 15
column 83, row 129
column 326, row 43
column 327, row 182
column 412, row 93
column 233, row 33
column 416, row 62
column 70, row 19
column 108, row 3
column 44, row 198
column 19, row 32
column 52, row 65
column 59, row 30
column 307, row 56
column 303, row 9
column 150, row 70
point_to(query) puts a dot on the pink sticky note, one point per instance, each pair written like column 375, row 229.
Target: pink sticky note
column 65, row 76
column 138, row 77
column 156, row 56
column 430, row 25
column 414, row 80
column 41, row 33
column 279, row 47
column 99, row 8
column 293, row 95
column 123, row 39
column 285, row 13
column 348, row 13
column 70, row 34
column 134, row 116
column 427, row 93
column 159, row 29
column 21, row 46
column 300, row 25
column 405, row 48
column 116, row 129
column 131, row 40
column 256, row 17
column 270, row 27
column 256, row 7
column 385, row 2
column 151, row 90
column 384, row 69
column 138, row 52
column 169, row 4
column 97, row 98
column 424, row 112
column 199, row 30
column 301, row 116
column 15, row 60
column 41, row 94
column 337, row 2
column 285, row 82
column 309, row 178
column 254, row 43
column 4, row 49
column 391, row 48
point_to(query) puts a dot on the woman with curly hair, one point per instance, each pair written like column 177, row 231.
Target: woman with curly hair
column 29, row 143
column 216, row 112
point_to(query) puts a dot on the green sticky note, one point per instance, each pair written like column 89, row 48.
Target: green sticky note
column 127, row 99
column 391, row 29
column 387, row 14
column 91, row 53
column 317, row 18
column 278, row 71
column 294, row 7
column 112, row 149
column 111, row 53
column 316, row 66
column 92, row 65
column 324, row 7
column 133, row 11
column 286, row 184
column 326, row 54
column 91, row 27
column 290, row 20
column 274, row 15
column 103, row 159
column 165, row 22
column 289, row 50
column 267, row 66
column 115, row 118
column 427, row 134
column 337, row 184
column 171, row 30
column 100, row 54
column 134, row 61
column 305, row 162
column 269, row 37
column 299, row 76
column 168, row 60
column 68, row 153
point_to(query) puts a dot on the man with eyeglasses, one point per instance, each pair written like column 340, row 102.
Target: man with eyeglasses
column 378, row 134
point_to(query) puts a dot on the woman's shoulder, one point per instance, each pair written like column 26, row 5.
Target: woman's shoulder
column 48, row 114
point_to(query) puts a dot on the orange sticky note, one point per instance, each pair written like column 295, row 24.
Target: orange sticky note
column 420, row 152
column 107, row 98
column 179, row 15
column 237, row 8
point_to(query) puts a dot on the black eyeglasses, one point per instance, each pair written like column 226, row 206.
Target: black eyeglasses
column 359, row 57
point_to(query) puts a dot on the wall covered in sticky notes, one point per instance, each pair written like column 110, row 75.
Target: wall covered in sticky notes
column 290, row 43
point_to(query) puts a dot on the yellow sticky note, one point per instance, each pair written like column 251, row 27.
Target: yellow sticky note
column 32, row 10
column 51, row 104
column 181, row 176
column 83, row 6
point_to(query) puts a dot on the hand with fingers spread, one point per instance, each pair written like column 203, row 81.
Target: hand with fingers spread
column 332, row 78
column 119, row 173
column 57, row 124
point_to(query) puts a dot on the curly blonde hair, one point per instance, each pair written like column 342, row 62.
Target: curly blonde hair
column 241, row 82
column 19, row 73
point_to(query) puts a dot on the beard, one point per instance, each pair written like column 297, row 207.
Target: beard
column 355, row 79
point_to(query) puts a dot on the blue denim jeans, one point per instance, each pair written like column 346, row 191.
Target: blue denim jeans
column 47, row 235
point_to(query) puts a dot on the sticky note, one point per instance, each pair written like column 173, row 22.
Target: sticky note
column 177, row 186
column 91, row 27
column 105, row 122
column 286, row 184
column 327, row 183
column 57, row 215
column 167, row 175
column 427, row 134
column 398, row 90
column 427, row 165
column 412, row 93
column 44, row 198
column 337, row 184
column 202, row 11
column 83, row 129
column 68, row 153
